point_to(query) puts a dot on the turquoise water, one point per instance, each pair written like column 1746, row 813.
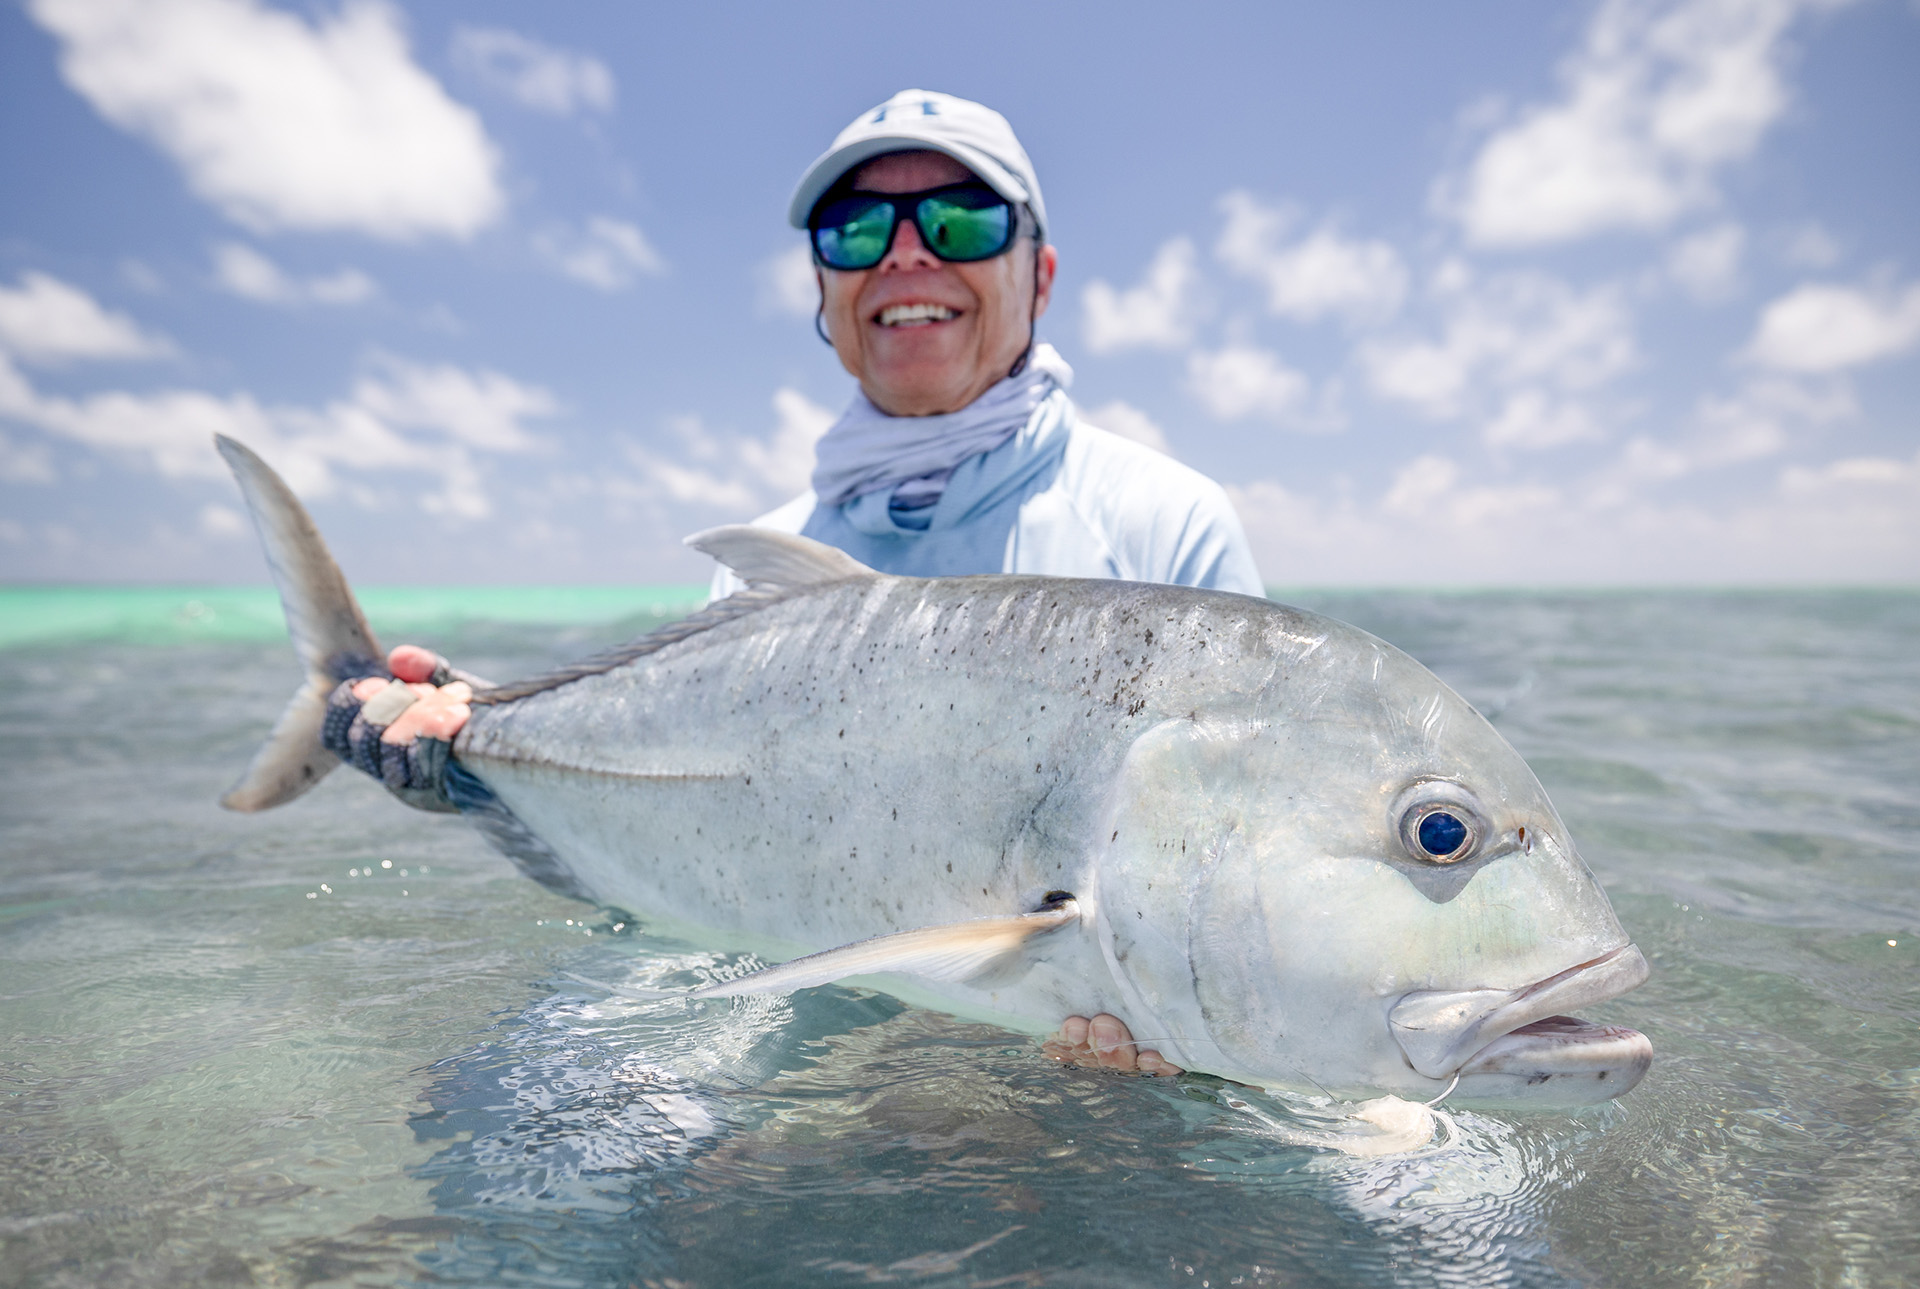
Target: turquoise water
column 344, row 1043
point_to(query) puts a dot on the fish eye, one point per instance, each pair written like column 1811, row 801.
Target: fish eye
column 1441, row 834
column 1439, row 824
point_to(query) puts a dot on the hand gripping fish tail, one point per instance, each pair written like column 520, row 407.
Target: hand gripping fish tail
column 1270, row 840
column 330, row 636
column 336, row 715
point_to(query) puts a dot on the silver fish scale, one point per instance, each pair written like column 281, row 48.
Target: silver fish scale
column 871, row 755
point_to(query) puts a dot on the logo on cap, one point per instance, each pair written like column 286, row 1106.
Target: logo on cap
column 927, row 108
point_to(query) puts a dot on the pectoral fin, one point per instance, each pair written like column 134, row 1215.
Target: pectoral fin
column 956, row 951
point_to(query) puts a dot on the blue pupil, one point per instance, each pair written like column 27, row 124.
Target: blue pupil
column 1442, row 834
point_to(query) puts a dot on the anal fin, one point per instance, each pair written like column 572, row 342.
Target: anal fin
column 954, row 951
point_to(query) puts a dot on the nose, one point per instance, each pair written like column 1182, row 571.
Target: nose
column 907, row 252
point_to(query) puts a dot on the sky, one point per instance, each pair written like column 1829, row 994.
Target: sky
column 1496, row 292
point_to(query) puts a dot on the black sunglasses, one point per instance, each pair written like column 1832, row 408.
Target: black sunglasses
column 959, row 223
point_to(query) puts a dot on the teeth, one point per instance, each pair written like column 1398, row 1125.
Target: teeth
column 900, row 315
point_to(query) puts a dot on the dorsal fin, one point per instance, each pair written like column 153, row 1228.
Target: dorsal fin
column 774, row 566
column 775, row 561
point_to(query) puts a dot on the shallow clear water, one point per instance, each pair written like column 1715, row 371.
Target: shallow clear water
column 226, row 1059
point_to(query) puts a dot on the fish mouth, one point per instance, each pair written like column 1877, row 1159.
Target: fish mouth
column 1502, row 1036
column 1561, row 1059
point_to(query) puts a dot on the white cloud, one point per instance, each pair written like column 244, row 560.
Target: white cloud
column 402, row 419
column 25, row 462
column 784, row 462
column 1856, row 519
column 1534, row 419
column 217, row 520
column 1823, row 328
column 1761, row 420
column 1242, row 381
column 534, row 75
column 1812, row 247
column 44, row 320
column 1841, row 478
column 1435, row 487
column 608, row 254
column 1707, row 264
column 787, row 284
column 249, row 274
column 694, row 486
column 482, row 409
column 1157, row 314
column 1319, row 275
column 1506, row 331
column 735, row 474
column 1655, row 101
column 1129, row 422
column 283, row 124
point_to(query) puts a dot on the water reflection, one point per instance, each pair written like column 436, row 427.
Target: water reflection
column 208, row 1078
column 840, row 1136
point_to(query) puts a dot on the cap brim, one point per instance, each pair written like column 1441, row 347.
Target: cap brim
column 825, row 172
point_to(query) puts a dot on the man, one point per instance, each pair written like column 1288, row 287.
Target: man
column 961, row 452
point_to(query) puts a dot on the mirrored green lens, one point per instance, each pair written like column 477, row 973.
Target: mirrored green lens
column 854, row 234
column 965, row 226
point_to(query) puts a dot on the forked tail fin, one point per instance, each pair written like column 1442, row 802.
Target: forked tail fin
column 329, row 632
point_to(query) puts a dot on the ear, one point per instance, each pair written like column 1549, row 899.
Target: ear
column 1046, row 262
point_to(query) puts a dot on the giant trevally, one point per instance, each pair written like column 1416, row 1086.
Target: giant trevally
column 1278, row 847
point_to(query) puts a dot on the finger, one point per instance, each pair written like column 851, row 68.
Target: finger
column 342, row 709
column 369, row 686
column 1073, row 1031
column 444, row 722
column 1151, row 1062
column 1112, row 1042
column 406, row 726
column 363, row 740
column 458, row 691
column 413, row 664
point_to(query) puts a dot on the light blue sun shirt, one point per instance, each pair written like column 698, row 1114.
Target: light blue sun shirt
column 1058, row 496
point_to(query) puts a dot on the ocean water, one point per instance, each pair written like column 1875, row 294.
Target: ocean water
column 345, row 1043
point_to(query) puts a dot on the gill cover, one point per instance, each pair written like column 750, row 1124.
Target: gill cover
column 1179, row 919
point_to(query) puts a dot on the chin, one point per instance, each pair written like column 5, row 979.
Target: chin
column 929, row 370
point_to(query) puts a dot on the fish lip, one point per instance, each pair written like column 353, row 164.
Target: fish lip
column 1441, row 1031
column 1558, row 1060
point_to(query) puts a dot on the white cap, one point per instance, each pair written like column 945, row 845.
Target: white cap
column 976, row 136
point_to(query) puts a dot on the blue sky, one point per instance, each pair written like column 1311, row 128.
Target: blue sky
column 1490, row 292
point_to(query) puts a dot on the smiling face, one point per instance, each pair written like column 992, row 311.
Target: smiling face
column 921, row 335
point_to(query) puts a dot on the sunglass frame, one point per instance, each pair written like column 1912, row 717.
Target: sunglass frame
column 907, row 204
